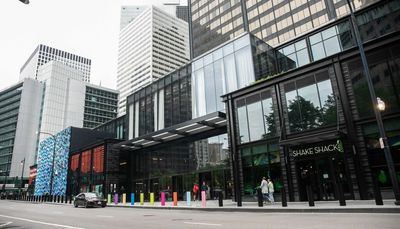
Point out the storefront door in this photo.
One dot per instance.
(319, 174)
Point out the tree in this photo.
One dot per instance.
(329, 111)
(303, 115)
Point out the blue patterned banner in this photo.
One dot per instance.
(45, 164)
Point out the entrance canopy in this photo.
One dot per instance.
(312, 138)
(214, 123)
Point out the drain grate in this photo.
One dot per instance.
(148, 215)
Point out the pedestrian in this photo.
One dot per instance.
(195, 191)
(264, 189)
(271, 191)
(204, 187)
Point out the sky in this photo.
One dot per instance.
(88, 28)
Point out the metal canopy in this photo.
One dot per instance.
(312, 138)
(186, 129)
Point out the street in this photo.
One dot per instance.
(14, 214)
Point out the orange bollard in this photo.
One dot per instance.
(175, 199)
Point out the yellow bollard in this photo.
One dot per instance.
(151, 198)
(141, 198)
(124, 198)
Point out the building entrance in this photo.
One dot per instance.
(320, 175)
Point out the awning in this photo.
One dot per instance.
(313, 138)
(189, 129)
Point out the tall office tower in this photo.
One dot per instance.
(68, 101)
(129, 13)
(19, 120)
(273, 21)
(44, 54)
(182, 12)
(153, 44)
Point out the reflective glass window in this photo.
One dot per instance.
(255, 117)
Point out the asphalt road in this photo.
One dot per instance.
(15, 214)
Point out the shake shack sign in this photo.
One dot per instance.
(335, 146)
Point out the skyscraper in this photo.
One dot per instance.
(150, 46)
(70, 102)
(273, 21)
(44, 54)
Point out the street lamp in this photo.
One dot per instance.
(378, 106)
(22, 176)
(381, 104)
(54, 154)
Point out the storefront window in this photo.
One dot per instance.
(384, 69)
(310, 102)
(256, 117)
(260, 161)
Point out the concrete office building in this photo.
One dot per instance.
(151, 45)
(20, 107)
(68, 101)
(273, 21)
(44, 54)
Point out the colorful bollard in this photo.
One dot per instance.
(141, 198)
(123, 198)
(116, 198)
(108, 198)
(203, 199)
(162, 198)
(188, 198)
(152, 198)
(132, 198)
(175, 198)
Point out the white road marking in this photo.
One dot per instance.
(205, 224)
(5, 224)
(40, 222)
(105, 216)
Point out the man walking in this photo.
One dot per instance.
(264, 189)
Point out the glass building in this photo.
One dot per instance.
(313, 123)
(273, 21)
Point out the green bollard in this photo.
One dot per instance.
(109, 199)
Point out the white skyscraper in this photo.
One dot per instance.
(151, 45)
(68, 101)
(44, 54)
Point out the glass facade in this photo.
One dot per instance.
(116, 127)
(100, 106)
(60, 167)
(178, 166)
(256, 117)
(163, 103)
(221, 71)
(310, 102)
(10, 100)
(384, 69)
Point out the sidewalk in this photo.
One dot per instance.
(352, 206)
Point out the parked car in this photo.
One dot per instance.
(89, 199)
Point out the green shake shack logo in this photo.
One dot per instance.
(319, 148)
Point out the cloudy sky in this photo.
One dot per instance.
(87, 28)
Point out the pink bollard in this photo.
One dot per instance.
(162, 198)
(203, 199)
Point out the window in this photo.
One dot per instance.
(310, 102)
(255, 117)
(331, 41)
(294, 55)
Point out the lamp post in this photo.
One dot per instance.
(54, 154)
(378, 105)
(22, 176)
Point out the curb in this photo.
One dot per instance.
(271, 210)
(344, 209)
